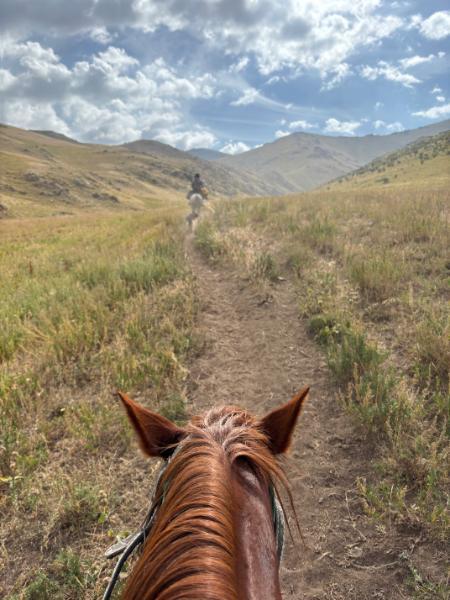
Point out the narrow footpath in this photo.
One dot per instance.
(257, 355)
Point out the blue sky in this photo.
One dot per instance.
(224, 74)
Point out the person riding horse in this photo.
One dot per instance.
(197, 185)
(196, 196)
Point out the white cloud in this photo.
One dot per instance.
(187, 139)
(7, 79)
(340, 72)
(248, 97)
(110, 97)
(435, 112)
(389, 72)
(273, 79)
(378, 105)
(413, 61)
(21, 113)
(280, 133)
(235, 148)
(389, 127)
(240, 65)
(334, 126)
(288, 34)
(437, 26)
(440, 98)
(101, 35)
(436, 90)
(301, 125)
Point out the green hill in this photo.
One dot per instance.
(423, 163)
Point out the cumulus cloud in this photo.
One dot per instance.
(437, 26)
(273, 79)
(240, 65)
(280, 34)
(389, 127)
(413, 61)
(7, 80)
(339, 73)
(235, 148)
(280, 133)
(101, 35)
(248, 97)
(186, 140)
(348, 127)
(435, 112)
(301, 124)
(389, 72)
(33, 116)
(109, 97)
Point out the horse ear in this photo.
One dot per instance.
(279, 424)
(157, 435)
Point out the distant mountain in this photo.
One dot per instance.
(425, 162)
(207, 153)
(303, 161)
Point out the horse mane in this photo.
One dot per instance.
(191, 550)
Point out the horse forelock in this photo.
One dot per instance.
(191, 550)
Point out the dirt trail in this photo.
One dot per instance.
(258, 354)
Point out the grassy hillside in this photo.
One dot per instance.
(373, 285)
(303, 161)
(45, 174)
(223, 179)
(86, 306)
(425, 163)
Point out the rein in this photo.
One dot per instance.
(126, 547)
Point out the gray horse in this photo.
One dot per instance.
(196, 202)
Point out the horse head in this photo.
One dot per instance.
(216, 517)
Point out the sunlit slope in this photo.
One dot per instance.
(425, 163)
(225, 180)
(44, 174)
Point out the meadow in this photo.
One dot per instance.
(372, 278)
(88, 304)
(97, 301)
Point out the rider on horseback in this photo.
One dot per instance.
(196, 196)
(198, 187)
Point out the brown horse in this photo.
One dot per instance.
(213, 535)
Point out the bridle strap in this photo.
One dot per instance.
(136, 541)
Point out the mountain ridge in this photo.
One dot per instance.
(302, 161)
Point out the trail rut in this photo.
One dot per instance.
(257, 354)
